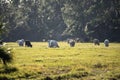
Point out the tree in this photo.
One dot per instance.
(56, 19)
(5, 55)
(35, 20)
(88, 19)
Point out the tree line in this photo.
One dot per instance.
(59, 19)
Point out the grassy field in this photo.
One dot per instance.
(82, 62)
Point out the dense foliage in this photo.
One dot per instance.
(60, 19)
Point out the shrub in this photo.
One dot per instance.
(5, 56)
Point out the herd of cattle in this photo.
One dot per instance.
(54, 43)
(96, 42)
(21, 42)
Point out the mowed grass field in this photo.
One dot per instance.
(85, 61)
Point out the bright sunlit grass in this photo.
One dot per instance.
(85, 61)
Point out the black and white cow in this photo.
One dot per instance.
(96, 42)
(106, 43)
(52, 44)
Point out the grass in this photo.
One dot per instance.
(82, 62)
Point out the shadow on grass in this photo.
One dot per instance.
(8, 70)
(5, 71)
(4, 78)
(99, 65)
(76, 75)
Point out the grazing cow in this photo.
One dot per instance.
(53, 44)
(71, 42)
(28, 43)
(96, 42)
(106, 42)
(20, 42)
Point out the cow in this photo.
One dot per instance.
(71, 42)
(106, 43)
(96, 42)
(53, 44)
(20, 42)
(28, 43)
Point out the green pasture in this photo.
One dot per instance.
(85, 61)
